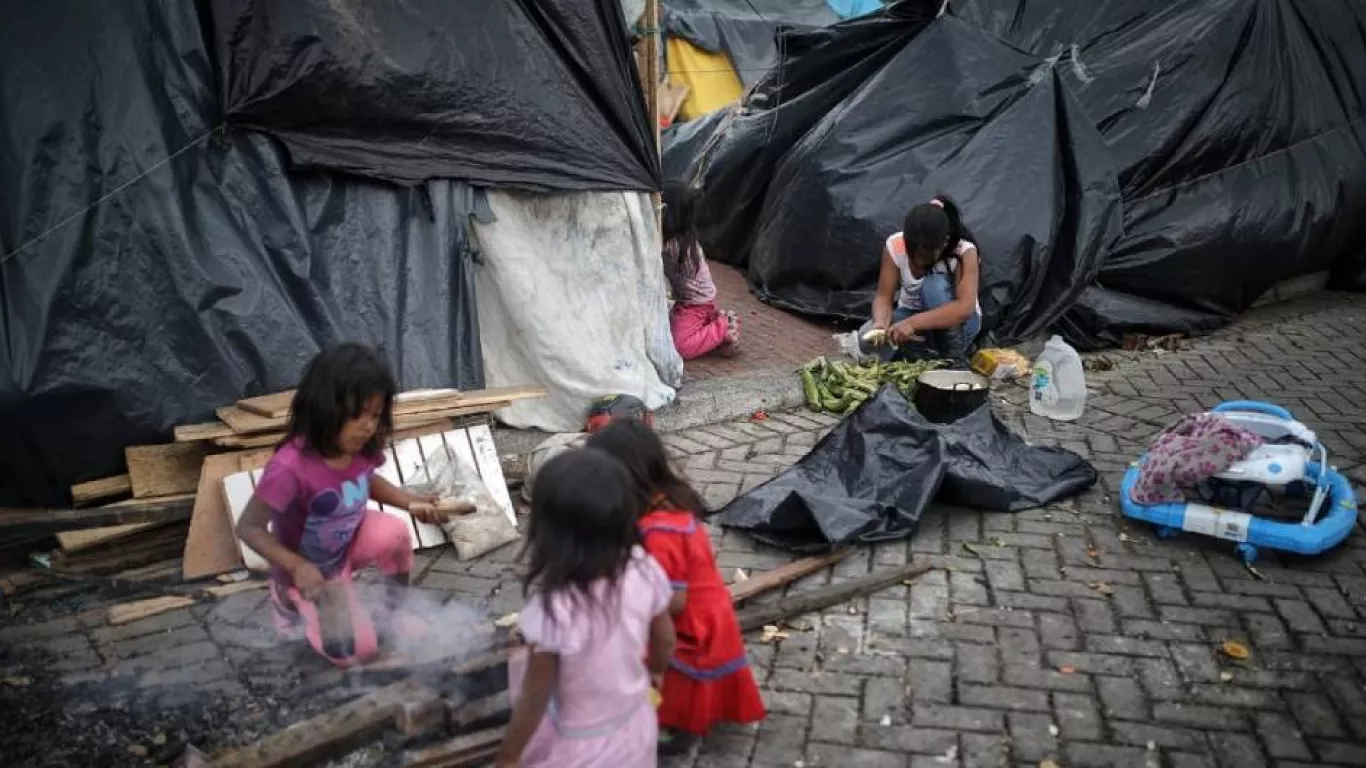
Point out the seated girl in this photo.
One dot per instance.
(926, 302)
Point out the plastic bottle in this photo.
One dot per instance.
(1058, 388)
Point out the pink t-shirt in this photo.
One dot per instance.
(315, 509)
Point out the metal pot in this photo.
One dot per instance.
(947, 396)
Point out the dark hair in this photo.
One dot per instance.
(682, 252)
(936, 226)
(336, 385)
(641, 451)
(584, 510)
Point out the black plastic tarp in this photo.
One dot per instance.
(1127, 165)
(155, 265)
(745, 30)
(533, 94)
(873, 476)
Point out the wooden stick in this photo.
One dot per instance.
(783, 575)
(168, 511)
(460, 752)
(759, 616)
(126, 613)
(330, 734)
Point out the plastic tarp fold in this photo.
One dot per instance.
(1127, 165)
(571, 296)
(154, 266)
(530, 94)
(872, 478)
(711, 83)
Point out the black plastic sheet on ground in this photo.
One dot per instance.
(873, 476)
(533, 94)
(155, 267)
(1127, 165)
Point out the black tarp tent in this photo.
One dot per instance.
(1126, 165)
(184, 219)
(745, 30)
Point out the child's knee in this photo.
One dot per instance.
(936, 290)
(394, 535)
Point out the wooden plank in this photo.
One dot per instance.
(500, 394)
(161, 510)
(270, 406)
(491, 469)
(412, 469)
(432, 417)
(72, 542)
(469, 713)
(784, 574)
(238, 489)
(161, 470)
(328, 735)
(188, 433)
(125, 613)
(390, 472)
(155, 545)
(260, 440)
(461, 752)
(94, 490)
(244, 422)
(211, 546)
(759, 616)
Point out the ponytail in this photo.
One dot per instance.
(958, 232)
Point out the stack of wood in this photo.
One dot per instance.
(165, 484)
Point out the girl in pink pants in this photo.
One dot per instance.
(310, 517)
(698, 327)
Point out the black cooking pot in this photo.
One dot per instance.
(947, 396)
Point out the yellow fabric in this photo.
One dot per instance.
(711, 80)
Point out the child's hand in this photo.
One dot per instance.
(307, 579)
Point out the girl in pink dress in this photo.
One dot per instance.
(597, 630)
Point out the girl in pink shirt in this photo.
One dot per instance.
(310, 517)
(699, 328)
(597, 630)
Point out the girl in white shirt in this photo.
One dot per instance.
(926, 297)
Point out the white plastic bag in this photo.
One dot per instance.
(483, 530)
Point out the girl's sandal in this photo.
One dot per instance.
(675, 743)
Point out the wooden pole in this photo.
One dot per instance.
(651, 74)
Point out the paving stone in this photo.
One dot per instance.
(1002, 697)
(1031, 738)
(1281, 736)
(835, 719)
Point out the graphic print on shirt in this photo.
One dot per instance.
(332, 522)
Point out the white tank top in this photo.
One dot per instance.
(909, 295)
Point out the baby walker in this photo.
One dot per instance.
(1286, 463)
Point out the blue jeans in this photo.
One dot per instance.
(946, 343)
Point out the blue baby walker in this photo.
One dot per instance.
(1291, 462)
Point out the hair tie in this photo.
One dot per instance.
(936, 202)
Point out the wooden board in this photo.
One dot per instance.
(390, 472)
(94, 490)
(270, 406)
(211, 546)
(158, 510)
(260, 440)
(491, 469)
(238, 489)
(412, 470)
(187, 433)
(416, 420)
(161, 470)
(245, 422)
(759, 616)
(125, 613)
(461, 752)
(75, 541)
(330, 734)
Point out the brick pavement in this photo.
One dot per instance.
(771, 339)
(1063, 634)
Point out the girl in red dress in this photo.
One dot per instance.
(708, 680)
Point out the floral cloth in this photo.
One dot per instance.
(1195, 449)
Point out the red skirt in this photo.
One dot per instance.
(694, 706)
